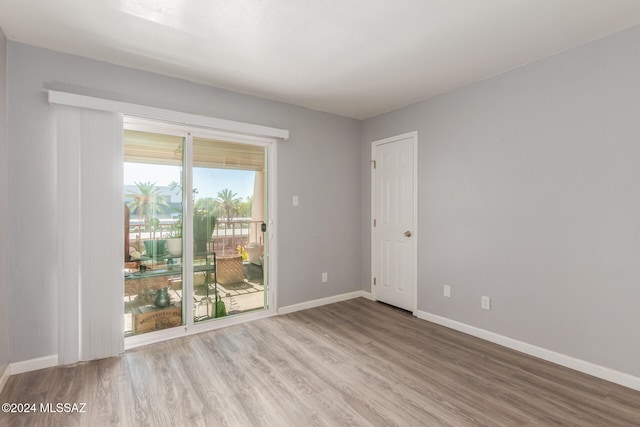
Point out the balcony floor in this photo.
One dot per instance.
(238, 298)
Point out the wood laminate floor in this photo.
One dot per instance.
(356, 363)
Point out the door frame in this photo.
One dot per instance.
(413, 135)
(271, 256)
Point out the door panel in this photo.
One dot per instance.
(394, 214)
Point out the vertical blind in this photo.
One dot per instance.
(90, 280)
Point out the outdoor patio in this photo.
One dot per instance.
(230, 266)
(237, 297)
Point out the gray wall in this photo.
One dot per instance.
(529, 192)
(317, 164)
(4, 178)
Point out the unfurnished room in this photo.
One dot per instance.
(320, 212)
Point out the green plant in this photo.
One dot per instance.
(221, 308)
(176, 230)
(204, 223)
(154, 223)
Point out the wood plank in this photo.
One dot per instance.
(354, 363)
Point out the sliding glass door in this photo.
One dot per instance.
(229, 194)
(153, 212)
(197, 202)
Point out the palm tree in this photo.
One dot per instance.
(244, 208)
(207, 204)
(227, 204)
(147, 201)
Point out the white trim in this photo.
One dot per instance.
(33, 364)
(76, 100)
(583, 366)
(4, 377)
(271, 180)
(414, 282)
(320, 302)
(187, 234)
(181, 129)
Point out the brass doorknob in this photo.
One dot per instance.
(407, 233)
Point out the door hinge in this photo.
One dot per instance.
(374, 222)
(374, 163)
(374, 281)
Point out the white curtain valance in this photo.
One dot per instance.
(143, 111)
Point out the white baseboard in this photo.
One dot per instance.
(589, 368)
(4, 377)
(33, 364)
(367, 295)
(319, 302)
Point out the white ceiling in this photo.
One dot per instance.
(356, 58)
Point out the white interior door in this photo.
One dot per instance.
(394, 220)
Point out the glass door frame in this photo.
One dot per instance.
(188, 133)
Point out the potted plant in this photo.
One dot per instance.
(174, 238)
(204, 223)
(154, 248)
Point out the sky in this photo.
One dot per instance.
(208, 181)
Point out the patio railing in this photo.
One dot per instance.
(227, 235)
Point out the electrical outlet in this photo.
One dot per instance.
(325, 277)
(296, 201)
(486, 303)
(447, 291)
